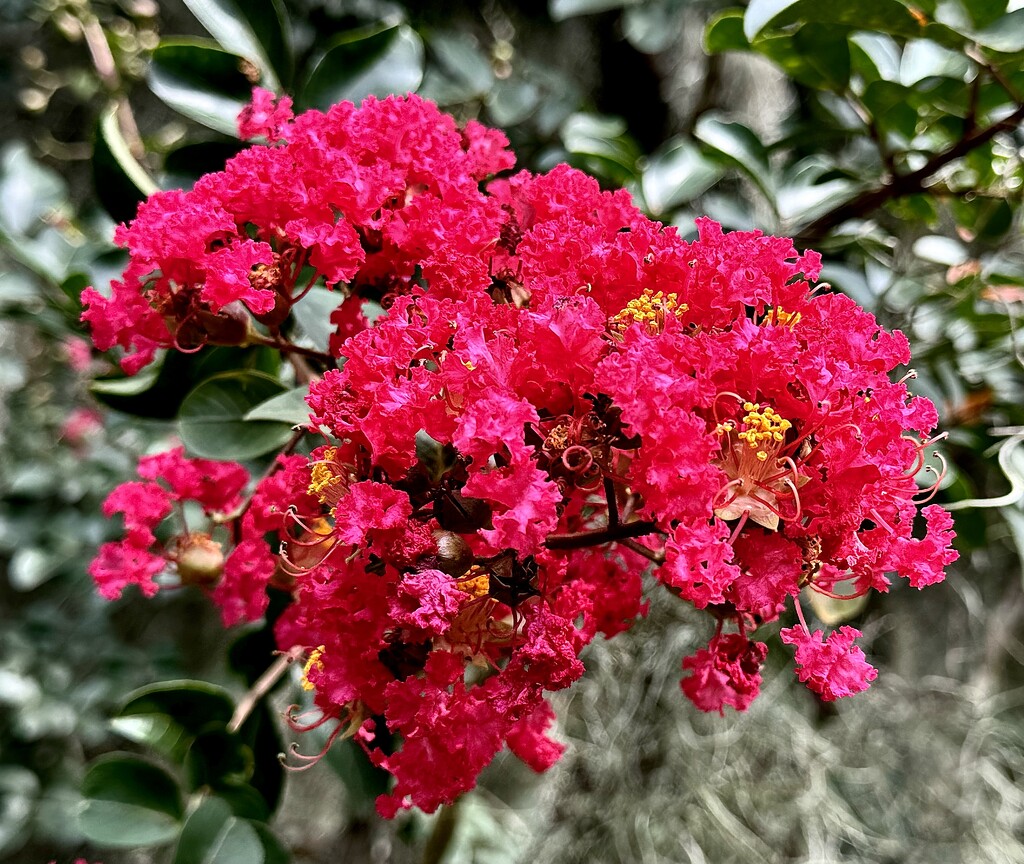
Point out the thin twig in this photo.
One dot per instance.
(263, 685)
(289, 348)
(904, 184)
(640, 549)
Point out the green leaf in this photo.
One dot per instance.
(168, 715)
(761, 13)
(254, 29)
(313, 314)
(361, 63)
(1005, 35)
(605, 144)
(940, 250)
(212, 421)
(200, 80)
(653, 27)
(825, 50)
(559, 10)
(129, 802)
(217, 758)
(289, 407)
(740, 147)
(882, 16)
(725, 33)
(874, 56)
(213, 835)
(461, 71)
(923, 59)
(676, 174)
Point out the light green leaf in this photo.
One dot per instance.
(129, 802)
(941, 250)
(313, 312)
(361, 63)
(1005, 35)
(740, 147)
(212, 424)
(288, 408)
(213, 835)
(675, 175)
(559, 10)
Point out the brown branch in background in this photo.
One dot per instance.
(905, 184)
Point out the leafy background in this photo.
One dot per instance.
(886, 134)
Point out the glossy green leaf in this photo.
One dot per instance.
(882, 16)
(120, 180)
(313, 314)
(653, 27)
(213, 835)
(212, 421)
(923, 59)
(289, 407)
(874, 56)
(605, 144)
(460, 72)
(725, 33)
(940, 250)
(254, 29)
(168, 715)
(216, 758)
(1005, 35)
(200, 80)
(675, 175)
(376, 62)
(129, 802)
(740, 147)
(559, 10)
(191, 704)
(826, 52)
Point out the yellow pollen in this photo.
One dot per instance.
(780, 316)
(314, 662)
(650, 310)
(476, 583)
(762, 428)
(326, 484)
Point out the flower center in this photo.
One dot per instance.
(763, 484)
(651, 310)
(327, 480)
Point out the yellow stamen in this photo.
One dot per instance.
(650, 309)
(326, 482)
(780, 316)
(476, 583)
(314, 662)
(763, 430)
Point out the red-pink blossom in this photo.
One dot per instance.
(832, 668)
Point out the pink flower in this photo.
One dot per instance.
(727, 672)
(833, 668)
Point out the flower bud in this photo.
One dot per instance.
(200, 560)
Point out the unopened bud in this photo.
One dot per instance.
(200, 560)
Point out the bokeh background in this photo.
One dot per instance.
(886, 134)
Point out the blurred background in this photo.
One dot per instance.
(886, 134)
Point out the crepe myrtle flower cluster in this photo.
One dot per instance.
(559, 395)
